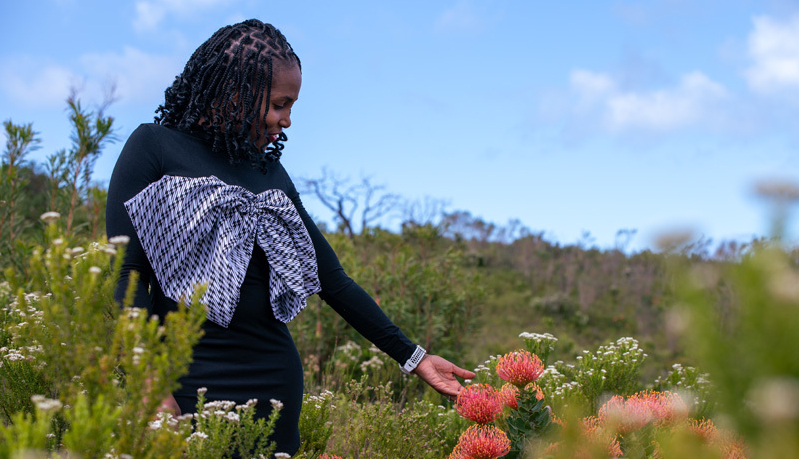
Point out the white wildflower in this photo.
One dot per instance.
(95, 270)
(51, 216)
(45, 404)
(276, 404)
(198, 435)
(119, 240)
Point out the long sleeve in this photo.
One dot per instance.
(348, 299)
(138, 165)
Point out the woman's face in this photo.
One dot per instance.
(286, 82)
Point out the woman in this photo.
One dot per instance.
(204, 199)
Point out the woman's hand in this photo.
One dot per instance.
(440, 374)
(170, 406)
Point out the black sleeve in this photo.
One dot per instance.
(347, 298)
(139, 164)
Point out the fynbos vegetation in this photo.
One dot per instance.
(691, 352)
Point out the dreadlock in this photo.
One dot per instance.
(219, 94)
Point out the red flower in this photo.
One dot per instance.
(641, 409)
(481, 442)
(457, 453)
(328, 456)
(519, 367)
(595, 435)
(508, 394)
(479, 403)
(533, 387)
(704, 429)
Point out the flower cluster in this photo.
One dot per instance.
(481, 442)
(509, 395)
(519, 367)
(633, 413)
(692, 383)
(480, 403)
(725, 442)
(540, 344)
(319, 400)
(483, 403)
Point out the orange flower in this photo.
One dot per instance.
(328, 456)
(733, 450)
(592, 429)
(533, 387)
(704, 429)
(481, 442)
(479, 403)
(508, 394)
(641, 409)
(519, 367)
(457, 453)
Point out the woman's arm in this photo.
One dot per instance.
(358, 308)
(138, 166)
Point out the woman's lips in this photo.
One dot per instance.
(273, 137)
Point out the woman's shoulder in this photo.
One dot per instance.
(161, 140)
(147, 134)
(152, 131)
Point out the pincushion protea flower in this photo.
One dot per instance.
(328, 456)
(641, 409)
(704, 429)
(509, 393)
(479, 403)
(592, 429)
(728, 445)
(519, 367)
(481, 442)
(593, 441)
(533, 387)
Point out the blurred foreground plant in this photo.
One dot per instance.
(751, 350)
(81, 376)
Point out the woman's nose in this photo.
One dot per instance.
(285, 122)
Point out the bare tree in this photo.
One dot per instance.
(350, 201)
(422, 211)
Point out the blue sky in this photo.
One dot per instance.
(577, 116)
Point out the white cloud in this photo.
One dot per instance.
(150, 13)
(590, 86)
(694, 101)
(773, 46)
(461, 17)
(37, 84)
(148, 16)
(137, 75)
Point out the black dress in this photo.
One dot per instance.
(255, 357)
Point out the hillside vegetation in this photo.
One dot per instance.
(714, 323)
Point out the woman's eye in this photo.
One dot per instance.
(278, 107)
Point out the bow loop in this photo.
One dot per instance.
(202, 230)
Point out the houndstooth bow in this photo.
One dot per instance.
(202, 230)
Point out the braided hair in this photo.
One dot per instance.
(221, 90)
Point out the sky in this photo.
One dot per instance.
(577, 118)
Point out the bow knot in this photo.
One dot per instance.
(202, 230)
